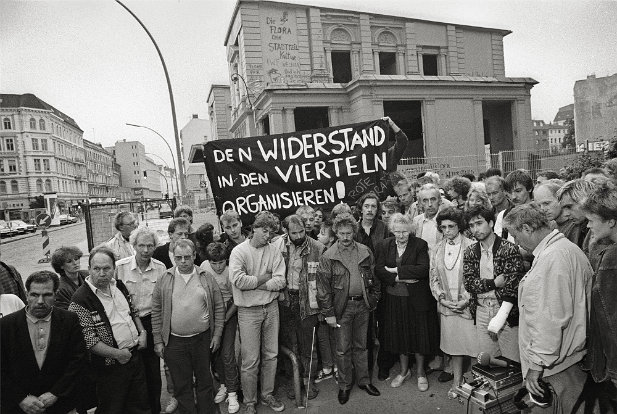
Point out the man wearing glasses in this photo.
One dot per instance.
(125, 223)
(188, 314)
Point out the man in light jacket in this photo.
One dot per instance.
(553, 300)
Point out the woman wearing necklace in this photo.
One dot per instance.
(65, 262)
(458, 332)
(411, 324)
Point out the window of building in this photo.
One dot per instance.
(265, 125)
(35, 144)
(2, 187)
(387, 63)
(37, 164)
(9, 144)
(6, 122)
(48, 188)
(32, 123)
(341, 66)
(39, 186)
(46, 165)
(42, 124)
(429, 65)
(12, 166)
(1, 166)
(14, 187)
(311, 118)
(408, 116)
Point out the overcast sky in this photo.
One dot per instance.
(92, 60)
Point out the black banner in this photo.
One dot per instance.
(279, 173)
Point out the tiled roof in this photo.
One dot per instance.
(28, 100)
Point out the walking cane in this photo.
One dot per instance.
(308, 385)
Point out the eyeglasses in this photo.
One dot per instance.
(183, 258)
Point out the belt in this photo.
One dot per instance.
(355, 298)
(293, 292)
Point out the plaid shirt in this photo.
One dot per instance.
(11, 282)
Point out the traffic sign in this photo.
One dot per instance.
(43, 220)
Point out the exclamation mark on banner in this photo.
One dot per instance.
(340, 189)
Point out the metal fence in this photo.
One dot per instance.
(533, 161)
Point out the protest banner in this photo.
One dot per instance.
(279, 173)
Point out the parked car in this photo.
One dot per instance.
(66, 219)
(165, 211)
(6, 231)
(30, 228)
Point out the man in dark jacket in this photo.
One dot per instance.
(43, 352)
(347, 291)
(179, 228)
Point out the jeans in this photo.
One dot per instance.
(188, 357)
(326, 338)
(297, 335)
(225, 357)
(121, 388)
(507, 339)
(351, 344)
(259, 332)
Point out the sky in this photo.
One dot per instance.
(91, 60)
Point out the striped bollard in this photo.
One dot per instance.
(44, 220)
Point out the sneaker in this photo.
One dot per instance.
(250, 409)
(221, 394)
(422, 384)
(171, 405)
(400, 379)
(271, 401)
(324, 375)
(233, 406)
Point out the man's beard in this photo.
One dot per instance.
(299, 242)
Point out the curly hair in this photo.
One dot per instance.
(481, 194)
(460, 185)
(344, 219)
(452, 214)
(64, 254)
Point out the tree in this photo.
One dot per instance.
(569, 139)
(582, 162)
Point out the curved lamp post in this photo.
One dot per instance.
(168, 146)
(180, 169)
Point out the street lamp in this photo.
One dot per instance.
(234, 78)
(180, 189)
(166, 164)
(180, 169)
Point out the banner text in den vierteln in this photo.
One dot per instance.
(279, 173)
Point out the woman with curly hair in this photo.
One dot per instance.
(457, 188)
(66, 262)
(458, 332)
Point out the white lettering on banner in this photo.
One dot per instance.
(308, 172)
(253, 203)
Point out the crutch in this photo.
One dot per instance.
(308, 385)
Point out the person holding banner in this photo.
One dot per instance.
(257, 273)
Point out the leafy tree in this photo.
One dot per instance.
(582, 162)
(569, 139)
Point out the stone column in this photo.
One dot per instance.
(329, 63)
(478, 119)
(400, 60)
(289, 122)
(430, 128)
(276, 121)
(376, 61)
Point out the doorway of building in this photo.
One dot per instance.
(497, 122)
(311, 118)
(408, 116)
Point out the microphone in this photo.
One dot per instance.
(485, 359)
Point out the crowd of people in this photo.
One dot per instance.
(419, 280)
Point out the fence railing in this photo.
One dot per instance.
(448, 166)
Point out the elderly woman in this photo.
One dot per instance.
(65, 262)
(601, 210)
(411, 324)
(458, 332)
(477, 197)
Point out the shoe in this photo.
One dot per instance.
(221, 395)
(400, 379)
(250, 409)
(271, 401)
(370, 389)
(233, 406)
(383, 375)
(343, 396)
(323, 375)
(452, 394)
(313, 392)
(445, 377)
(171, 405)
(422, 384)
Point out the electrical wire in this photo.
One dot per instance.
(497, 397)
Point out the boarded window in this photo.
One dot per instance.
(429, 65)
(311, 118)
(341, 66)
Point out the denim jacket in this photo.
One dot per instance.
(602, 335)
(333, 281)
(310, 252)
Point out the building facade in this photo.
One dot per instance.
(41, 151)
(296, 67)
(137, 171)
(193, 135)
(103, 184)
(595, 111)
